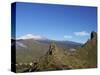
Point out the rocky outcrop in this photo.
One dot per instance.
(88, 52)
(93, 35)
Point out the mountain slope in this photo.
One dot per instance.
(88, 52)
(32, 51)
(57, 59)
(53, 60)
(28, 48)
(55, 56)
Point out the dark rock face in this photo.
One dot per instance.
(51, 49)
(93, 34)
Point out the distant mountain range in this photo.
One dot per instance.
(29, 38)
(36, 46)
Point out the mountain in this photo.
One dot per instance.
(84, 57)
(29, 39)
(56, 58)
(38, 47)
(29, 48)
(88, 52)
(52, 60)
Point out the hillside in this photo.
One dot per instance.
(53, 60)
(32, 50)
(56, 58)
(88, 52)
(28, 48)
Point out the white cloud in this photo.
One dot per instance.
(81, 33)
(31, 36)
(67, 36)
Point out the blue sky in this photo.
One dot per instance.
(57, 22)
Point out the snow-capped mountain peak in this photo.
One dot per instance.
(31, 36)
